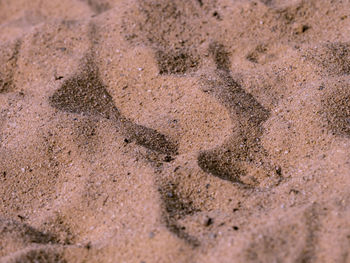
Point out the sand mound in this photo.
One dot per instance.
(174, 131)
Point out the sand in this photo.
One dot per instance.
(174, 131)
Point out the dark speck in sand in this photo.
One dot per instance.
(209, 221)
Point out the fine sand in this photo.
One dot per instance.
(175, 131)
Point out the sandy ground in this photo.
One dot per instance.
(174, 131)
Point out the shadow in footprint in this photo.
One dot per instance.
(243, 149)
(85, 93)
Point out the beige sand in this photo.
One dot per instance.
(174, 131)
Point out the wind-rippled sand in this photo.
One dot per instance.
(174, 131)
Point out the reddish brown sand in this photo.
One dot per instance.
(174, 131)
